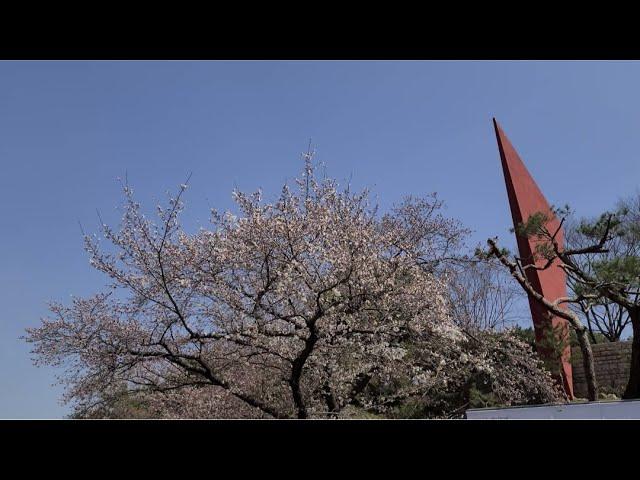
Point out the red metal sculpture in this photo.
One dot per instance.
(526, 199)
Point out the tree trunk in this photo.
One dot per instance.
(633, 386)
(298, 366)
(587, 362)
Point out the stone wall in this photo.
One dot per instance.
(611, 361)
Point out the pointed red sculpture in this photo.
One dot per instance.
(526, 199)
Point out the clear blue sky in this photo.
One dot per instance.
(69, 129)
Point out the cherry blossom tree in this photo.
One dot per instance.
(307, 306)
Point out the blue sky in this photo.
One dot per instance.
(69, 129)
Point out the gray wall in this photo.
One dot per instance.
(611, 361)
